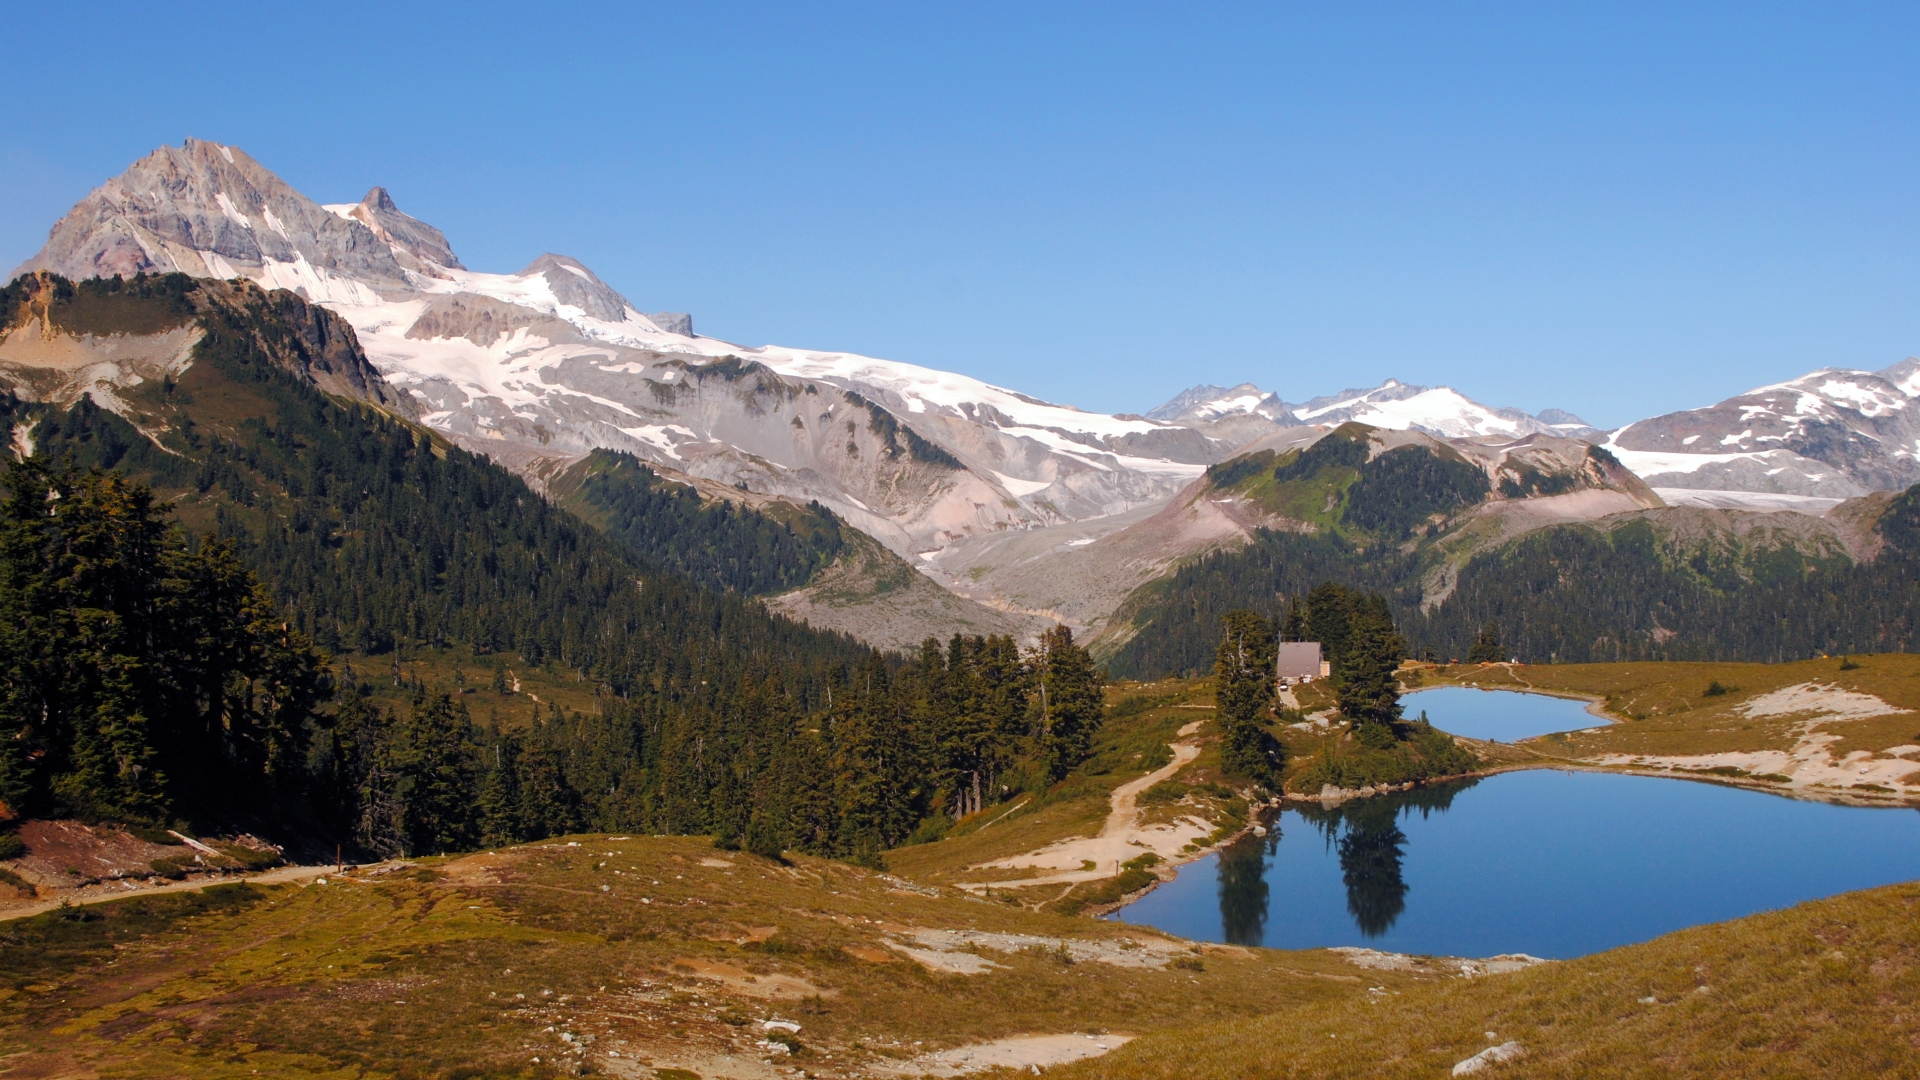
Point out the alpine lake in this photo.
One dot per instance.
(1550, 863)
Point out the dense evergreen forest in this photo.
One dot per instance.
(1569, 593)
(330, 526)
(714, 544)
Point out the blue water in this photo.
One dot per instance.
(1549, 863)
(1501, 715)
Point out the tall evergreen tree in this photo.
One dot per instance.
(1486, 645)
(138, 678)
(1366, 683)
(1069, 703)
(1243, 693)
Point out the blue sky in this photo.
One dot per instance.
(1611, 209)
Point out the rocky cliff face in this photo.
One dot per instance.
(60, 342)
(416, 245)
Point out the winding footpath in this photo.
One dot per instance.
(1121, 837)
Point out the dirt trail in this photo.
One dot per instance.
(1121, 837)
(22, 909)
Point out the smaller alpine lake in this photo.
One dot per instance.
(1546, 862)
(1498, 715)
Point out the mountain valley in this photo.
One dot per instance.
(1020, 512)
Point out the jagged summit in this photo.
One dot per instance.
(411, 238)
(211, 211)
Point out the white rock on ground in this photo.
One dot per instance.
(1492, 1055)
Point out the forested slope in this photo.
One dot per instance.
(367, 535)
(1648, 586)
(714, 543)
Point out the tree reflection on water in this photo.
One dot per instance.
(1244, 889)
(1365, 833)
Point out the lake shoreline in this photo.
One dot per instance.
(1442, 835)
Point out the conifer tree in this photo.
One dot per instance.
(1365, 682)
(1486, 645)
(437, 770)
(1068, 703)
(1243, 692)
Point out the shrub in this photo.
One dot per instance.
(173, 868)
(1163, 793)
(11, 846)
(154, 835)
(254, 859)
(8, 877)
(1714, 689)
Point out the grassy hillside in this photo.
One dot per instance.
(1822, 989)
(664, 952)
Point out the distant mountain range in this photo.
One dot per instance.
(1830, 435)
(542, 367)
(1393, 404)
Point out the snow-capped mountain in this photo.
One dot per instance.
(1395, 405)
(541, 366)
(1831, 434)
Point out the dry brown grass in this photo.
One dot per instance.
(1132, 743)
(482, 963)
(1828, 988)
(1664, 708)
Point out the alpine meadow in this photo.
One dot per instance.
(411, 670)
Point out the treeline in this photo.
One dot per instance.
(148, 682)
(711, 543)
(133, 669)
(1569, 594)
(896, 750)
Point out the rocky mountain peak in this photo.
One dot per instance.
(211, 211)
(576, 286)
(417, 245)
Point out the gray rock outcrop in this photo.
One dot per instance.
(418, 245)
(211, 211)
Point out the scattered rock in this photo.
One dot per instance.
(1437, 965)
(1491, 1056)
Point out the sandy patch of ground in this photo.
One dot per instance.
(1015, 1052)
(1122, 837)
(647, 1064)
(1828, 702)
(1375, 960)
(950, 946)
(945, 962)
(1809, 767)
(747, 984)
